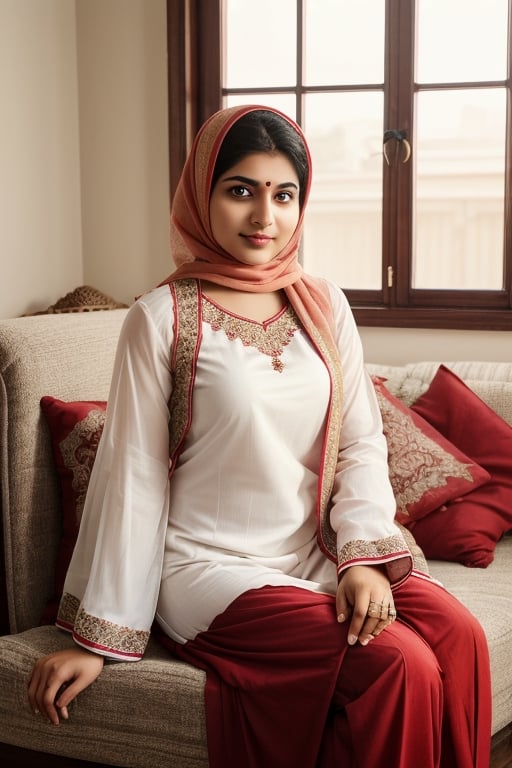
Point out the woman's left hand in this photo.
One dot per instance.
(364, 595)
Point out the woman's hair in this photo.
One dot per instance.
(263, 131)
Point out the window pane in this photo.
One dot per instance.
(459, 179)
(260, 46)
(461, 41)
(285, 102)
(344, 42)
(343, 234)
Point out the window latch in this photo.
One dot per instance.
(393, 134)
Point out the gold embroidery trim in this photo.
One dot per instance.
(327, 349)
(187, 335)
(68, 609)
(360, 549)
(269, 338)
(113, 637)
(100, 632)
(332, 446)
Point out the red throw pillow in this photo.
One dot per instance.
(466, 530)
(426, 470)
(75, 429)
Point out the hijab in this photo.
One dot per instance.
(197, 255)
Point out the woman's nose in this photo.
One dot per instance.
(262, 212)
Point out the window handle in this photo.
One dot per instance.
(396, 135)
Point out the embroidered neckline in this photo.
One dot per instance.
(269, 337)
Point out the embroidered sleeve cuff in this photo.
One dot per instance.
(100, 635)
(380, 552)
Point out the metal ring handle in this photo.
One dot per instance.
(395, 134)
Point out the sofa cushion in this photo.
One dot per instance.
(75, 429)
(426, 470)
(466, 530)
(162, 725)
(492, 382)
(487, 594)
(69, 356)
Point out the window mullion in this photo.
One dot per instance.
(389, 196)
(507, 240)
(404, 171)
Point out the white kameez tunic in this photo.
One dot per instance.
(240, 509)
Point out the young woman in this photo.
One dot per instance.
(241, 499)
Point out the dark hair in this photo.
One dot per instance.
(263, 131)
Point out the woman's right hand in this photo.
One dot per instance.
(58, 678)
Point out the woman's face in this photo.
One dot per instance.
(254, 207)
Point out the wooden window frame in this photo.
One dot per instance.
(195, 92)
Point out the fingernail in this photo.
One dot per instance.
(341, 617)
(352, 639)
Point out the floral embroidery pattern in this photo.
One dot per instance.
(418, 466)
(368, 550)
(183, 356)
(269, 338)
(68, 609)
(79, 451)
(100, 632)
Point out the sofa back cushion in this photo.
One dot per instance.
(492, 382)
(69, 356)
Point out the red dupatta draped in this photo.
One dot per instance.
(197, 255)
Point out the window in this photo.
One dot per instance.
(405, 107)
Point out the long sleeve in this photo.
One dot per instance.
(363, 504)
(113, 581)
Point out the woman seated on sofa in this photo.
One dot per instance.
(240, 498)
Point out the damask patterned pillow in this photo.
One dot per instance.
(75, 429)
(426, 470)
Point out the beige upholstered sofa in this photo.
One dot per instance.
(149, 714)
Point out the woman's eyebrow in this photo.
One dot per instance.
(254, 183)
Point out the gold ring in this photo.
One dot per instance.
(374, 609)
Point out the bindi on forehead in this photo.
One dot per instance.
(267, 183)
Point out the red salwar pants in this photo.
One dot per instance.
(284, 690)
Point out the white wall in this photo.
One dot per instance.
(40, 230)
(84, 165)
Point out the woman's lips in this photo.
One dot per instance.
(258, 240)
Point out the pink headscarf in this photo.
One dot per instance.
(196, 253)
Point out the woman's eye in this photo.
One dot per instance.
(239, 191)
(284, 197)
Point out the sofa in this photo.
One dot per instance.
(150, 714)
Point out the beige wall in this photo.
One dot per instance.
(395, 346)
(84, 165)
(83, 149)
(40, 231)
(122, 86)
